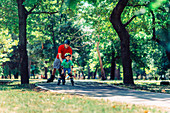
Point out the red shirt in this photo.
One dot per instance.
(63, 51)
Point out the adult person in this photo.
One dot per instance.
(62, 50)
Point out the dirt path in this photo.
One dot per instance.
(97, 90)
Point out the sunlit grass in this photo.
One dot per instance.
(28, 99)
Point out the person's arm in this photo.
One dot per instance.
(62, 67)
(71, 67)
(60, 57)
(71, 54)
(59, 53)
(71, 58)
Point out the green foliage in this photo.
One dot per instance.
(8, 18)
(82, 22)
(156, 4)
(6, 44)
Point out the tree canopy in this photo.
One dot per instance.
(47, 23)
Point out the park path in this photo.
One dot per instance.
(112, 93)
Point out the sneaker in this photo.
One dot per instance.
(50, 79)
(63, 80)
(59, 81)
(72, 82)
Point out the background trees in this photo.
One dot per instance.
(49, 23)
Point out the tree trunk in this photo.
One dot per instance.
(95, 73)
(29, 67)
(124, 36)
(101, 64)
(117, 73)
(81, 70)
(79, 75)
(112, 75)
(162, 43)
(83, 74)
(53, 38)
(45, 68)
(9, 73)
(23, 43)
(168, 54)
(88, 72)
(16, 75)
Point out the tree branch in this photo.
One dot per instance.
(117, 11)
(162, 43)
(153, 28)
(138, 5)
(130, 20)
(162, 9)
(29, 12)
(44, 12)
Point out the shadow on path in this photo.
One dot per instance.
(97, 90)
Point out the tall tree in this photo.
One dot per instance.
(124, 36)
(101, 64)
(22, 13)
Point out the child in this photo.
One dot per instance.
(66, 65)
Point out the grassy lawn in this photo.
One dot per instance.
(142, 85)
(15, 98)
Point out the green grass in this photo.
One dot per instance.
(29, 99)
(142, 85)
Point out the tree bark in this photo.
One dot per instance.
(9, 73)
(83, 74)
(95, 73)
(101, 64)
(112, 75)
(81, 70)
(45, 68)
(53, 38)
(88, 72)
(124, 36)
(22, 13)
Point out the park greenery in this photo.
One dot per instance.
(131, 36)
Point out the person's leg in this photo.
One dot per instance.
(59, 79)
(71, 77)
(56, 65)
(53, 72)
(62, 77)
(52, 76)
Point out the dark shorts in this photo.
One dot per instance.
(57, 63)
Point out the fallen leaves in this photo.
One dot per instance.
(146, 111)
(113, 106)
(62, 98)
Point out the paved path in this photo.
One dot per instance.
(112, 93)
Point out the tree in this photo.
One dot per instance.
(23, 14)
(23, 42)
(101, 64)
(48, 27)
(124, 36)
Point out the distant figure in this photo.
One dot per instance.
(62, 50)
